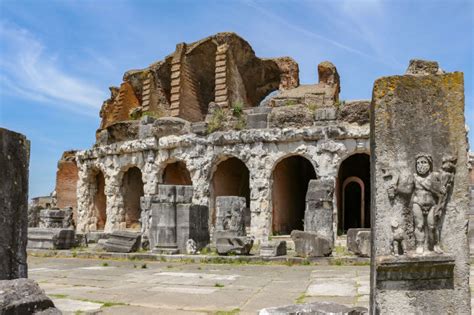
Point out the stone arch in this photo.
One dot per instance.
(175, 173)
(98, 199)
(289, 180)
(353, 193)
(230, 176)
(132, 190)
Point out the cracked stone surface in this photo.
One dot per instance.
(125, 287)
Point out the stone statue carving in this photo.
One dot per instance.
(398, 239)
(428, 193)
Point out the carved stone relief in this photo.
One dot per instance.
(425, 193)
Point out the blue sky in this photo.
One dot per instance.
(58, 58)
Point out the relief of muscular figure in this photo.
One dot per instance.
(429, 193)
(426, 194)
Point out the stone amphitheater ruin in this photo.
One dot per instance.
(215, 117)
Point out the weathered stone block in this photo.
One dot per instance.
(94, 237)
(122, 242)
(273, 249)
(230, 216)
(325, 114)
(166, 193)
(319, 207)
(52, 238)
(184, 193)
(14, 161)
(56, 218)
(234, 245)
(359, 242)
(355, 112)
(291, 116)
(257, 121)
(163, 225)
(192, 223)
(419, 192)
(199, 128)
(24, 296)
(316, 308)
(310, 244)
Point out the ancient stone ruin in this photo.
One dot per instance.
(215, 147)
(216, 118)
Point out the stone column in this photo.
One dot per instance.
(318, 215)
(14, 163)
(420, 256)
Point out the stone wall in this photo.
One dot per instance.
(66, 182)
(324, 146)
(14, 163)
(221, 68)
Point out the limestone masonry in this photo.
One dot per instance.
(214, 120)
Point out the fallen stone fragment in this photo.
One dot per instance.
(52, 238)
(123, 242)
(310, 244)
(358, 242)
(24, 296)
(234, 245)
(273, 249)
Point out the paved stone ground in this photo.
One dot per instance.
(139, 287)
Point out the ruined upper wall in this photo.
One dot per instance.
(222, 68)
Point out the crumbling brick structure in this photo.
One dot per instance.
(215, 116)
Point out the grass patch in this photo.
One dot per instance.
(105, 264)
(218, 285)
(104, 303)
(290, 102)
(144, 266)
(216, 121)
(336, 262)
(58, 296)
(235, 311)
(341, 250)
(300, 299)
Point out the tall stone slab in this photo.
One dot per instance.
(318, 216)
(420, 256)
(14, 163)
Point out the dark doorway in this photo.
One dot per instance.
(100, 201)
(231, 178)
(132, 188)
(291, 177)
(176, 174)
(353, 193)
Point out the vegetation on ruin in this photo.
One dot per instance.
(216, 121)
(290, 102)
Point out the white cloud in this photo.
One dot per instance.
(29, 71)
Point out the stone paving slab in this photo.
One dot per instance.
(137, 287)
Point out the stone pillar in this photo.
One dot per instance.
(14, 163)
(420, 256)
(230, 216)
(318, 216)
(163, 221)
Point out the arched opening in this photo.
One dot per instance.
(132, 188)
(100, 201)
(353, 193)
(231, 178)
(176, 174)
(291, 177)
